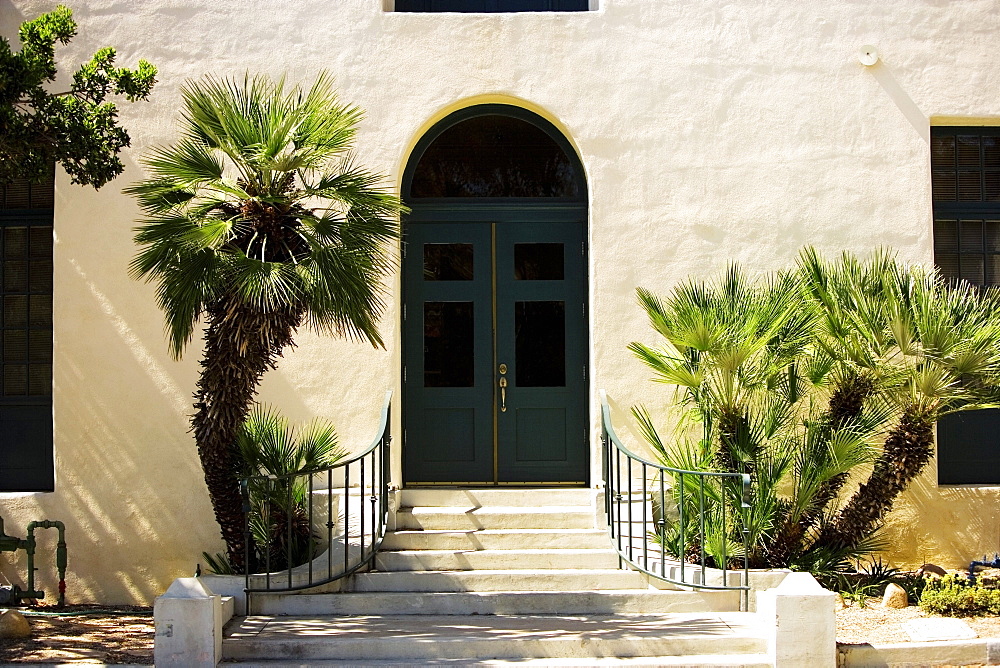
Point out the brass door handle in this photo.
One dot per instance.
(503, 394)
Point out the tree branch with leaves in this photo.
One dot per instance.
(78, 127)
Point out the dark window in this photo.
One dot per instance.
(540, 344)
(495, 156)
(26, 337)
(538, 262)
(492, 6)
(969, 448)
(965, 180)
(965, 175)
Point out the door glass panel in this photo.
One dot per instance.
(540, 344)
(538, 262)
(449, 344)
(447, 262)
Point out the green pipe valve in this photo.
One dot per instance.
(60, 555)
(12, 544)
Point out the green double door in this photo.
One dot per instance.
(495, 348)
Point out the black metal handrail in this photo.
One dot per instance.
(643, 542)
(318, 533)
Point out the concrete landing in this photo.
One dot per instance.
(703, 661)
(479, 638)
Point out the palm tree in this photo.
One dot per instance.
(808, 378)
(933, 348)
(742, 356)
(257, 220)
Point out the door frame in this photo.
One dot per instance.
(496, 209)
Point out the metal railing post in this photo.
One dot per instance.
(690, 494)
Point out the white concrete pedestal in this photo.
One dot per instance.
(801, 623)
(188, 619)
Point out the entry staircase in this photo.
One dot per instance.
(525, 576)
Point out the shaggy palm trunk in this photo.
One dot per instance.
(732, 454)
(846, 404)
(908, 449)
(240, 345)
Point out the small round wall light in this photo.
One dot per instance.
(868, 55)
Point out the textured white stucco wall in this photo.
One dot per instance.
(710, 132)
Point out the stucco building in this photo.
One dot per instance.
(678, 137)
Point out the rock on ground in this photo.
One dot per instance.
(895, 597)
(14, 625)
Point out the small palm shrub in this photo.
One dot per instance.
(757, 396)
(270, 452)
(957, 597)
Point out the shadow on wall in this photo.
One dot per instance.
(129, 485)
(905, 104)
(950, 526)
(10, 19)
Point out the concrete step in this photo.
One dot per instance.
(510, 497)
(496, 539)
(699, 661)
(467, 560)
(496, 580)
(495, 517)
(601, 602)
(501, 637)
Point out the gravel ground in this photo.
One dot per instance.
(92, 638)
(877, 625)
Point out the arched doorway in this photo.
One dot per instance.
(495, 314)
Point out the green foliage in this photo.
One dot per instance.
(740, 354)
(879, 574)
(913, 585)
(956, 597)
(218, 564)
(77, 128)
(803, 380)
(274, 456)
(857, 583)
(838, 566)
(857, 592)
(930, 344)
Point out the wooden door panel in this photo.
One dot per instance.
(542, 338)
(448, 417)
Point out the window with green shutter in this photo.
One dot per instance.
(965, 173)
(26, 337)
(965, 179)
